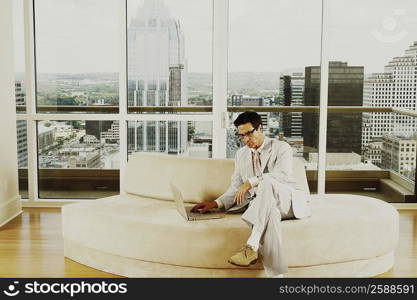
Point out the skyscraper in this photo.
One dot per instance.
(291, 91)
(95, 128)
(395, 87)
(157, 76)
(19, 94)
(345, 89)
(21, 127)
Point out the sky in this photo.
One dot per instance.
(83, 36)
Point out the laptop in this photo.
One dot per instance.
(186, 211)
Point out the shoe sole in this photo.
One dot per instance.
(251, 263)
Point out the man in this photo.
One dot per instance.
(263, 176)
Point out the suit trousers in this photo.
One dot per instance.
(272, 204)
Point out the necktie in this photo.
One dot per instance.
(257, 163)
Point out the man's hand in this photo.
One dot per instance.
(203, 207)
(240, 195)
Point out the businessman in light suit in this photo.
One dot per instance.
(263, 179)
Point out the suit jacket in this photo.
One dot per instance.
(276, 164)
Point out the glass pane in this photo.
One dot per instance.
(78, 159)
(22, 157)
(272, 44)
(77, 55)
(268, 39)
(169, 55)
(373, 65)
(189, 138)
(19, 55)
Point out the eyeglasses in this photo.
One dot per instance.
(247, 134)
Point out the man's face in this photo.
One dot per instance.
(250, 137)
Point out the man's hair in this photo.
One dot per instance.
(248, 117)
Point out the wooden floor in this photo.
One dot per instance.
(31, 246)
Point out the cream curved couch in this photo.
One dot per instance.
(140, 234)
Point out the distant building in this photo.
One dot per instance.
(264, 120)
(399, 155)
(19, 93)
(291, 91)
(243, 100)
(372, 153)
(90, 139)
(95, 128)
(90, 160)
(81, 156)
(395, 87)
(111, 136)
(22, 148)
(46, 136)
(21, 129)
(344, 130)
(157, 76)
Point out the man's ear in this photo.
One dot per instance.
(261, 129)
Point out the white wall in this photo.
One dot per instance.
(9, 192)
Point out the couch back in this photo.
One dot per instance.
(199, 179)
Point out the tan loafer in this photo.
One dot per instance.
(245, 257)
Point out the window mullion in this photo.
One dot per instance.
(220, 48)
(30, 91)
(324, 81)
(123, 92)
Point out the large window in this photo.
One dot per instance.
(373, 65)
(77, 55)
(272, 47)
(97, 80)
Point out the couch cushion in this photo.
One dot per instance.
(343, 228)
(199, 179)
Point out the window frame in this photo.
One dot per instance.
(218, 117)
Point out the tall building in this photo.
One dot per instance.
(399, 154)
(395, 87)
(157, 77)
(46, 136)
(19, 94)
(111, 136)
(22, 147)
(291, 91)
(345, 88)
(95, 128)
(21, 128)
